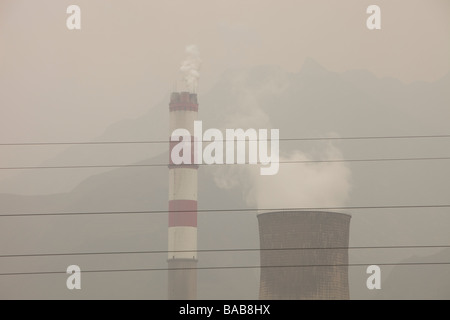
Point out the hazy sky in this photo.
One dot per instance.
(58, 84)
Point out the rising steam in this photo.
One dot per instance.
(303, 184)
(323, 184)
(296, 185)
(190, 68)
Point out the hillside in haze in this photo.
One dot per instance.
(403, 281)
(311, 103)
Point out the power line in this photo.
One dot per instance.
(224, 164)
(229, 267)
(280, 139)
(246, 210)
(216, 250)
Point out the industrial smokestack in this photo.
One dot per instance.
(291, 241)
(182, 237)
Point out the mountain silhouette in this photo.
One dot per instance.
(313, 102)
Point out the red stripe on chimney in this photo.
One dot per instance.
(182, 213)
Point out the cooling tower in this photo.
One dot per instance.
(182, 233)
(293, 265)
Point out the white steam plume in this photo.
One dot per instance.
(190, 68)
(296, 185)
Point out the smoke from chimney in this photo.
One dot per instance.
(190, 68)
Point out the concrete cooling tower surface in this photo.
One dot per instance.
(303, 269)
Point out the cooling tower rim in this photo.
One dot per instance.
(184, 92)
(303, 211)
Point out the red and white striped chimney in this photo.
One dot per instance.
(182, 239)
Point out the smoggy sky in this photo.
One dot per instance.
(58, 84)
